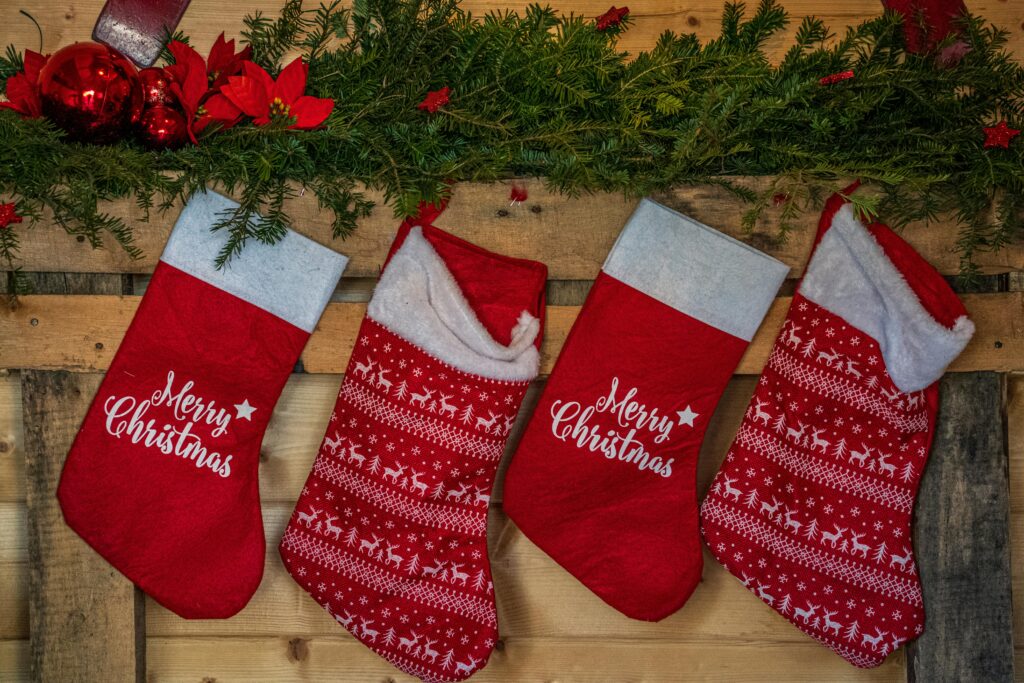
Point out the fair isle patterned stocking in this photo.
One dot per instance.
(812, 507)
(389, 535)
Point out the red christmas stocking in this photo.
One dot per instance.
(389, 535)
(162, 478)
(812, 507)
(604, 480)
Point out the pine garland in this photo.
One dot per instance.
(548, 95)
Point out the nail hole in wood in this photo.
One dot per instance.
(502, 213)
(33, 322)
(536, 208)
(99, 346)
(80, 238)
(999, 344)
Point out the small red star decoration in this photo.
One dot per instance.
(612, 17)
(435, 100)
(1000, 135)
(835, 78)
(8, 216)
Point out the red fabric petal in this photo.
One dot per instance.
(255, 71)
(183, 54)
(218, 109)
(34, 63)
(188, 107)
(224, 63)
(248, 94)
(221, 108)
(23, 96)
(310, 112)
(221, 53)
(176, 72)
(291, 82)
(195, 86)
(189, 71)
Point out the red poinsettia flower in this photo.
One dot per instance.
(613, 17)
(8, 215)
(23, 88)
(258, 95)
(223, 62)
(190, 85)
(434, 100)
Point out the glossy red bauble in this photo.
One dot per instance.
(91, 92)
(156, 87)
(163, 127)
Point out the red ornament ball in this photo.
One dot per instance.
(163, 127)
(91, 92)
(156, 87)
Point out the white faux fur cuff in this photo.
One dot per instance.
(418, 299)
(292, 279)
(851, 276)
(695, 269)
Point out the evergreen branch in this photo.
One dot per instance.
(538, 94)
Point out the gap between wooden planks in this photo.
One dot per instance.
(82, 333)
(571, 235)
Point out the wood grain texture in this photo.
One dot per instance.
(1015, 444)
(82, 611)
(287, 659)
(961, 537)
(82, 333)
(547, 226)
(13, 572)
(14, 661)
(12, 457)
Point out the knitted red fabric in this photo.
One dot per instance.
(812, 507)
(389, 535)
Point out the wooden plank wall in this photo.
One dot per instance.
(64, 615)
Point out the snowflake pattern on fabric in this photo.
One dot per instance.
(389, 535)
(812, 509)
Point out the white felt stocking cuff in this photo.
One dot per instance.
(292, 279)
(695, 269)
(418, 299)
(852, 276)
